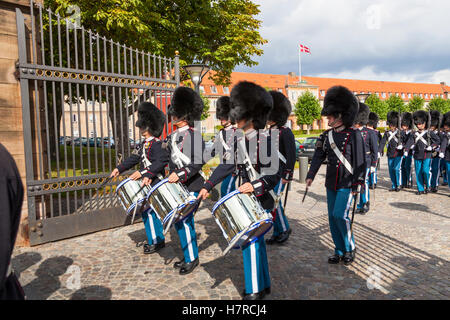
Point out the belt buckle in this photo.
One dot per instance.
(333, 145)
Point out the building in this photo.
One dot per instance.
(289, 85)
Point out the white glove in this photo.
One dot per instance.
(405, 154)
(441, 155)
(400, 147)
(373, 169)
(379, 155)
(430, 148)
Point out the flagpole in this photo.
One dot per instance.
(300, 64)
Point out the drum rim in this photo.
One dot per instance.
(173, 210)
(122, 183)
(254, 225)
(134, 204)
(221, 201)
(156, 186)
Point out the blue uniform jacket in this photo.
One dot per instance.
(392, 144)
(419, 146)
(286, 144)
(156, 155)
(351, 144)
(370, 138)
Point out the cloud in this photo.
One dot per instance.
(403, 39)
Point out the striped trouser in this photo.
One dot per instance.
(256, 266)
(365, 195)
(188, 238)
(435, 172)
(153, 227)
(423, 173)
(281, 223)
(228, 185)
(339, 204)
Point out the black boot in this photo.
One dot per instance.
(349, 257)
(255, 296)
(272, 240)
(284, 236)
(152, 248)
(419, 193)
(434, 189)
(189, 267)
(334, 259)
(366, 207)
(178, 264)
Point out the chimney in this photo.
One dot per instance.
(443, 84)
(291, 74)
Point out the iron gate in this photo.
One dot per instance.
(79, 94)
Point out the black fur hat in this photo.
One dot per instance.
(251, 102)
(150, 118)
(186, 104)
(223, 108)
(362, 118)
(373, 120)
(446, 120)
(339, 101)
(436, 118)
(407, 120)
(421, 117)
(392, 118)
(281, 108)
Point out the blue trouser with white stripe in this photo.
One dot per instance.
(365, 195)
(256, 266)
(281, 223)
(447, 167)
(394, 171)
(435, 167)
(444, 171)
(373, 178)
(339, 204)
(188, 237)
(406, 170)
(228, 185)
(153, 227)
(422, 173)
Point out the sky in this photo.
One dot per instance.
(401, 40)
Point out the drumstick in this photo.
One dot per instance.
(306, 192)
(232, 243)
(169, 224)
(105, 182)
(134, 212)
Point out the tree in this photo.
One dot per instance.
(396, 103)
(307, 109)
(205, 114)
(377, 106)
(415, 104)
(439, 104)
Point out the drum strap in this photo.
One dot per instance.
(392, 135)
(419, 136)
(179, 157)
(338, 153)
(9, 270)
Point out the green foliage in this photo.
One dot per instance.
(376, 105)
(307, 109)
(222, 34)
(439, 104)
(205, 114)
(396, 103)
(416, 103)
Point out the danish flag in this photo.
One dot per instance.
(304, 49)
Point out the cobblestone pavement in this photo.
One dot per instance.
(403, 253)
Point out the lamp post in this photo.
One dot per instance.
(196, 72)
(363, 97)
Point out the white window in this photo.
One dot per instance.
(426, 95)
(202, 89)
(280, 90)
(421, 95)
(403, 95)
(76, 133)
(213, 89)
(409, 95)
(91, 118)
(322, 93)
(383, 94)
(74, 118)
(91, 134)
(226, 90)
(431, 96)
(362, 92)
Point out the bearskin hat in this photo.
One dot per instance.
(251, 102)
(362, 117)
(446, 120)
(407, 120)
(421, 117)
(186, 104)
(339, 101)
(223, 108)
(373, 120)
(436, 118)
(392, 118)
(150, 118)
(281, 108)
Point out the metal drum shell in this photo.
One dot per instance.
(127, 190)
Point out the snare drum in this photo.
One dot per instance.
(129, 194)
(241, 218)
(166, 199)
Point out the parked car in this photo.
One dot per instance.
(308, 147)
(109, 142)
(95, 142)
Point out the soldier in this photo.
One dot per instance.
(152, 159)
(446, 144)
(373, 125)
(422, 142)
(406, 172)
(436, 120)
(286, 142)
(186, 147)
(444, 173)
(346, 168)
(371, 152)
(224, 142)
(250, 108)
(11, 197)
(393, 138)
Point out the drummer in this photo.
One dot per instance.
(286, 142)
(224, 142)
(186, 148)
(152, 159)
(250, 107)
